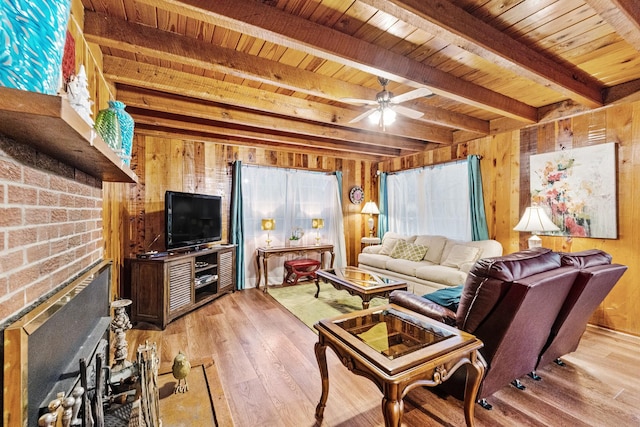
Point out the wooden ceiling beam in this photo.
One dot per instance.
(195, 123)
(268, 23)
(412, 136)
(454, 25)
(623, 16)
(115, 33)
(623, 93)
(168, 133)
(118, 34)
(167, 103)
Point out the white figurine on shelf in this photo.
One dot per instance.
(78, 94)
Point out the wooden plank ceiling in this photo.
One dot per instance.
(276, 73)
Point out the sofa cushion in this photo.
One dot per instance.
(373, 260)
(459, 255)
(435, 245)
(389, 242)
(403, 266)
(446, 297)
(440, 274)
(408, 251)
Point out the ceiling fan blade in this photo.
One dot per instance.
(359, 101)
(362, 116)
(423, 91)
(408, 112)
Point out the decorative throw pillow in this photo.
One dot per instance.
(408, 251)
(389, 242)
(461, 254)
(446, 297)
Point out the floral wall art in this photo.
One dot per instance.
(577, 187)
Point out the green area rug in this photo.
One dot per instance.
(299, 300)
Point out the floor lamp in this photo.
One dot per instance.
(535, 220)
(371, 209)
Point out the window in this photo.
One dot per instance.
(292, 198)
(432, 200)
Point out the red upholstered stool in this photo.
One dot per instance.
(297, 268)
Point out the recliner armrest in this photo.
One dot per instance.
(423, 306)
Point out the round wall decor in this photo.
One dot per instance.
(356, 194)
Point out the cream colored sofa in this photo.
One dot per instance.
(426, 263)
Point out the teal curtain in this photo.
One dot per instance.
(339, 178)
(236, 227)
(479, 229)
(383, 220)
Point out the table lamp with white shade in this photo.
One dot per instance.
(372, 209)
(535, 220)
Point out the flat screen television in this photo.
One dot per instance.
(192, 219)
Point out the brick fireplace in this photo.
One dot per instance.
(50, 228)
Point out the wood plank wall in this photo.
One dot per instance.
(100, 92)
(505, 172)
(205, 167)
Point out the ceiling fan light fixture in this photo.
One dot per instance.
(388, 116)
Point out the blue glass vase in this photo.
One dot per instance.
(126, 129)
(33, 35)
(108, 126)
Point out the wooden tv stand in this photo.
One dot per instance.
(166, 287)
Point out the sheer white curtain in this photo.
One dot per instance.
(432, 200)
(292, 198)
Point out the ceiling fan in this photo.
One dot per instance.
(387, 105)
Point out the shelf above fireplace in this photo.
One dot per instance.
(50, 125)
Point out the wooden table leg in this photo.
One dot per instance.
(266, 273)
(392, 406)
(321, 357)
(317, 286)
(258, 272)
(475, 372)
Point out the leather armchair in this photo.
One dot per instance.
(510, 303)
(595, 280)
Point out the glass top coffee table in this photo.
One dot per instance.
(363, 283)
(398, 350)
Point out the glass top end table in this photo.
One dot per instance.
(398, 349)
(392, 333)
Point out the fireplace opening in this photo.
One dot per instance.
(43, 348)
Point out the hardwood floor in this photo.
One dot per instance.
(268, 370)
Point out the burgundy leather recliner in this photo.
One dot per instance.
(510, 303)
(595, 280)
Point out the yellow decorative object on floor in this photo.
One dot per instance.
(205, 405)
(181, 368)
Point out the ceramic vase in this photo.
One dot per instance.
(34, 35)
(126, 129)
(108, 126)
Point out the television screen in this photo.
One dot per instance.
(192, 219)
